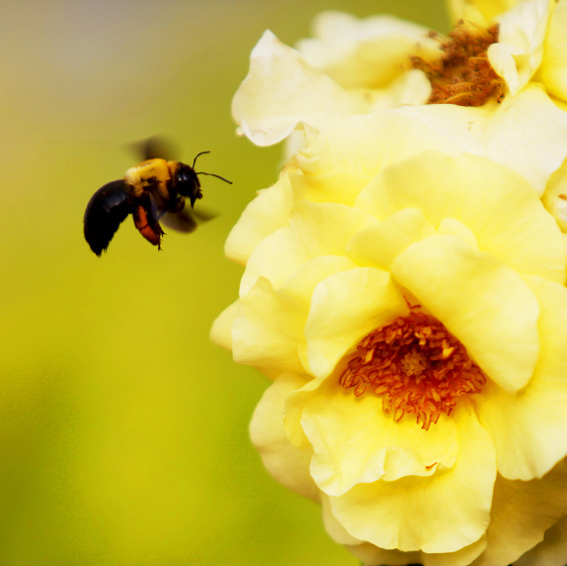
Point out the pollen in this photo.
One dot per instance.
(416, 366)
(463, 75)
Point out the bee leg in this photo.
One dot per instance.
(147, 225)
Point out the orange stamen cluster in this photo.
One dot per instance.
(416, 366)
(463, 75)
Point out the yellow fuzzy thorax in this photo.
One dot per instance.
(153, 172)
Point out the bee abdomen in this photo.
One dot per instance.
(106, 210)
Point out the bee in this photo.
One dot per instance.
(153, 191)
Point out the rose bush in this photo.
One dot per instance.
(409, 304)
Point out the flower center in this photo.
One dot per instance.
(463, 75)
(416, 366)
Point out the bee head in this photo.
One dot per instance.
(187, 184)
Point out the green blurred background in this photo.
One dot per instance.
(123, 430)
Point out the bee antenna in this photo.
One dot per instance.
(213, 175)
(195, 160)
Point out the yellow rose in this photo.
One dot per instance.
(413, 324)
(366, 68)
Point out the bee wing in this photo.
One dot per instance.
(204, 214)
(106, 210)
(186, 220)
(180, 221)
(152, 148)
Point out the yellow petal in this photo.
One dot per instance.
(441, 513)
(519, 50)
(295, 403)
(268, 329)
(554, 64)
(502, 59)
(314, 230)
(506, 133)
(552, 550)
(381, 243)
(481, 12)
(325, 228)
(301, 285)
(221, 332)
(334, 528)
(344, 157)
(477, 298)
(275, 258)
(410, 88)
(287, 463)
(264, 215)
(364, 53)
(373, 556)
(555, 197)
(521, 513)
(345, 307)
(282, 90)
(461, 557)
(529, 429)
(496, 205)
(356, 442)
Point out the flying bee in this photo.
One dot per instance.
(153, 191)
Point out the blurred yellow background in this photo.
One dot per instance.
(123, 430)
